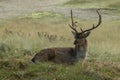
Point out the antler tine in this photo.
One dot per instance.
(99, 19)
(99, 22)
(72, 18)
(72, 26)
(81, 29)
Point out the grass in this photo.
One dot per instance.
(94, 3)
(21, 38)
(49, 15)
(50, 71)
(110, 6)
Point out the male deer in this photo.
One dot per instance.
(68, 55)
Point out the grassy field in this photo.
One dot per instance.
(21, 38)
(94, 3)
(113, 7)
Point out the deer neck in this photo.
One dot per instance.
(81, 50)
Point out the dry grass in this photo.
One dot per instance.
(35, 34)
(19, 41)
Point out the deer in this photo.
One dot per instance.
(68, 55)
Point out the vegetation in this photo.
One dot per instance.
(94, 3)
(21, 38)
(11, 70)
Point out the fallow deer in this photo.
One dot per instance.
(68, 55)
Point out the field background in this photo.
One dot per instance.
(27, 28)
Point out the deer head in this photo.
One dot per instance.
(83, 33)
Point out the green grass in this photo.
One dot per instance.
(20, 40)
(49, 15)
(50, 71)
(94, 3)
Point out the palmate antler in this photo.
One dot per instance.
(73, 26)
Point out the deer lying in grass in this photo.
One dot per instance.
(68, 55)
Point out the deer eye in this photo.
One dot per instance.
(77, 36)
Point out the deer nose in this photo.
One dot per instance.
(75, 42)
(33, 60)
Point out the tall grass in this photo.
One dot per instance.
(21, 35)
(19, 41)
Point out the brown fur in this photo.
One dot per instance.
(61, 55)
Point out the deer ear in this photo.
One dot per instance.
(87, 34)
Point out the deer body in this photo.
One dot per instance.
(57, 55)
(68, 55)
(62, 55)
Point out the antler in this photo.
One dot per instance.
(99, 22)
(73, 25)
